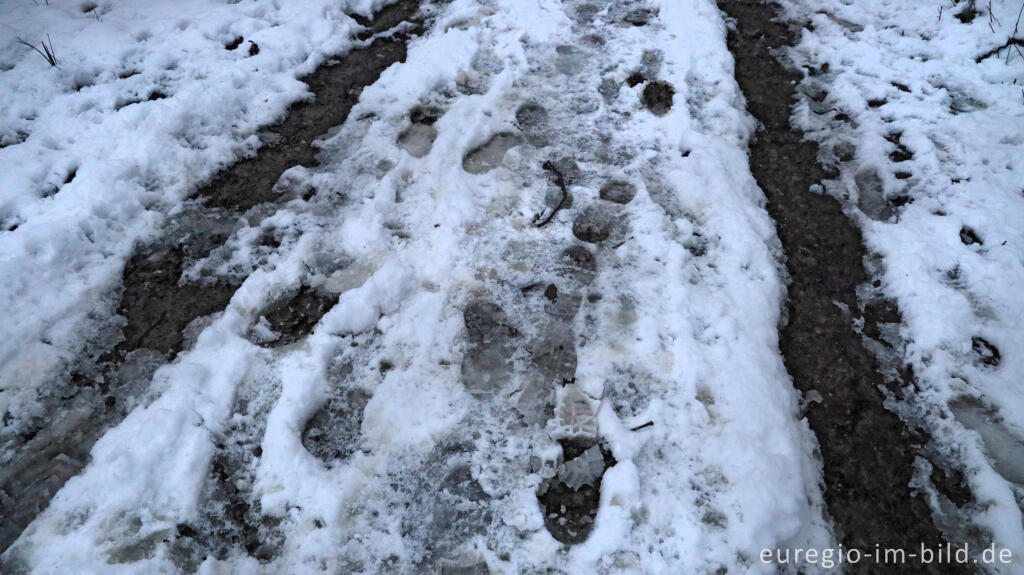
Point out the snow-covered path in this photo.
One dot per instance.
(518, 313)
(494, 343)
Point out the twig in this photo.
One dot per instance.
(1016, 26)
(992, 18)
(1015, 42)
(47, 51)
(639, 427)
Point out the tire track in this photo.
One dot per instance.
(867, 451)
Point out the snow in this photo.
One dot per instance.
(674, 324)
(133, 159)
(952, 256)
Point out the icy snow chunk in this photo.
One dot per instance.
(554, 353)
(490, 154)
(461, 568)
(575, 416)
(534, 401)
(295, 182)
(813, 396)
(263, 333)
(351, 276)
(583, 470)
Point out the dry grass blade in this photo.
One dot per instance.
(47, 51)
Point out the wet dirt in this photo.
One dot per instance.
(157, 305)
(657, 97)
(570, 510)
(293, 318)
(157, 308)
(867, 451)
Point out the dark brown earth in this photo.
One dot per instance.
(157, 305)
(867, 451)
(294, 317)
(569, 513)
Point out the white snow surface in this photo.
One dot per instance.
(952, 256)
(678, 327)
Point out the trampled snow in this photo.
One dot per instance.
(415, 428)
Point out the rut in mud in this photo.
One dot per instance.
(868, 454)
(162, 311)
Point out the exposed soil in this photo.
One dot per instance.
(158, 306)
(293, 318)
(868, 454)
(658, 97)
(569, 512)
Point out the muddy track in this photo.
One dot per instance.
(158, 306)
(868, 454)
